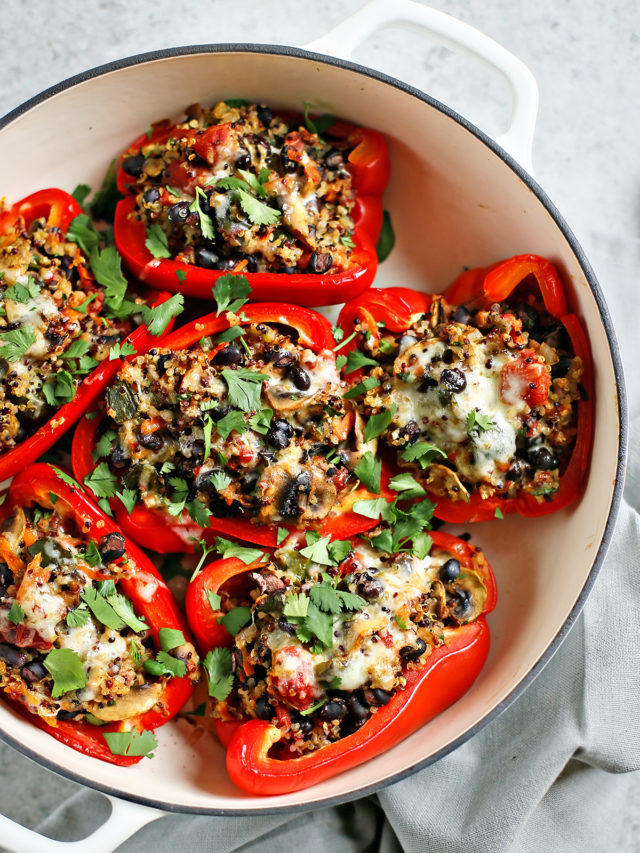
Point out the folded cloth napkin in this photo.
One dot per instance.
(545, 775)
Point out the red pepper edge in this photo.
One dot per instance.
(447, 674)
(495, 283)
(60, 208)
(160, 531)
(145, 588)
(369, 166)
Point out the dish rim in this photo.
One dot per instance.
(622, 409)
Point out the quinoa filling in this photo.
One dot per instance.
(236, 187)
(72, 647)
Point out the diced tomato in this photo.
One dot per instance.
(527, 377)
(292, 678)
(213, 145)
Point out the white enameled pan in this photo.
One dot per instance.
(457, 197)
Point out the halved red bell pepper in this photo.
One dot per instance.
(59, 209)
(486, 286)
(368, 164)
(447, 674)
(158, 530)
(144, 587)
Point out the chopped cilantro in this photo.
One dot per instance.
(236, 619)
(261, 421)
(121, 350)
(103, 204)
(498, 513)
(387, 238)
(230, 292)
(157, 318)
(368, 471)
(17, 342)
(166, 664)
(102, 481)
(357, 359)
(477, 422)
(217, 666)
(214, 599)
(245, 387)
(232, 421)
(231, 549)
(363, 387)
(406, 484)
(281, 535)
(59, 389)
(131, 743)
(15, 614)
(66, 669)
(422, 452)
(206, 224)
(157, 242)
(378, 423)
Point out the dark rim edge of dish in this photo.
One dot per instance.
(531, 183)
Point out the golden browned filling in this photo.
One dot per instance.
(255, 426)
(329, 632)
(238, 188)
(53, 327)
(475, 401)
(72, 646)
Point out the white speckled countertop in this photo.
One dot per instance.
(584, 55)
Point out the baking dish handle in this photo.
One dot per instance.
(458, 36)
(123, 822)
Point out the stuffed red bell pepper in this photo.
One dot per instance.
(61, 333)
(485, 395)
(239, 188)
(94, 648)
(236, 423)
(321, 657)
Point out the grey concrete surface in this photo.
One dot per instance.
(583, 53)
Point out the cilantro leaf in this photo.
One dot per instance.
(220, 480)
(121, 350)
(214, 599)
(368, 471)
(102, 481)
(60, 389)
(157, 242)
(422, 452)
(296, 605)
(387, 238)
(421, 544)
(406, 484)
(318, 125)
(316, 549)
(103, 204)
(498, 513)
(230, 334)
(124, 609)
(166, 664)
(66, 478)
(231, 549)
(15, 614)
(81, 192)
(101, 609)
(76, 348)
(236, 619)
(377, 424)
(206, 224)
(23, 293)
(254, 182)
(258, 212)
(351, 601)
(281, 535)
(65, 666)
(261, 421)
(326, 598)
(106, 265)
(92, 555)
(78, 617)
(232, 421)
(131, 743)
(17, 343)
(477, 422)
(198, 512)
(341, 360)
(245, 388)
(217, 666)
(128, 497)
(371, 508)
(320, 624)
(357, 359)
(230, 292)
(82, 232)
(157, 318)
(367, 384)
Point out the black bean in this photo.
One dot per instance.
(231, 354)
(453, 380)
(280, 434)
(288, 270)
(543, 459)
(320, 262)
(357, 709)
(375, 696)
(462, 315)
(33, 671)
(561, 367)
(161, 364)
(243, 159)
(516, 470)
(151, 195)
(119, 458)
(368, 586)
(410, 431)
(462, 604)
(111, 547)
(350, 725)
(427, 383)
(6, 575)
(333, 158)
(204, 480)
(286, 626)
(449, 571)
(133, 164)
(152, 441)
(284, 359)
(334, 709)
(288, 164)
(265, 115)
(413, 652)
(447, 356)
(289, 507)
(304, 723)
(12, 656)
(179, 212)
(207, 258)
(556, 336)
(300, 377)
(67, 715)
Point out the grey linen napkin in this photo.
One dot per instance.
(545, 775)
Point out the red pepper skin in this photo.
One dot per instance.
(163, 533)
(487, 285)
(60, 208)
(145, 588)
(448, 673)
(369, 166)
